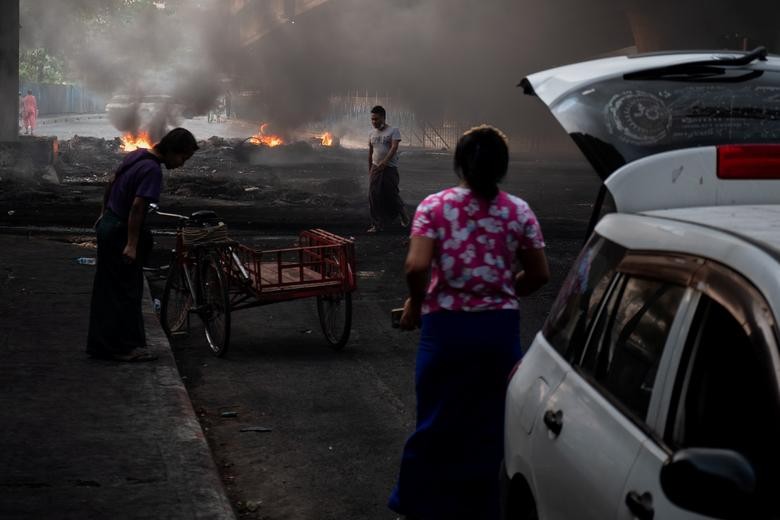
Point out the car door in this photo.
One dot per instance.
(722, 393)
(591, 428)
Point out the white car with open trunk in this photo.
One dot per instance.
(653, 389)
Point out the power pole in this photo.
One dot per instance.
(9, 70)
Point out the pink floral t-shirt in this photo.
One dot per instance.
(476, 245)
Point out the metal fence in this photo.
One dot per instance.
(356, 106)
(64, 99)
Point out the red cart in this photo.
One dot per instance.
(211, 276)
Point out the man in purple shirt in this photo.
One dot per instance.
(116, 328)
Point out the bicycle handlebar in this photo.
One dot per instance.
(154, 208)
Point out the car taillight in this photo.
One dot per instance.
(749, 161)
(512, 372)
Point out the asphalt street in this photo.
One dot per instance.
(326, 428)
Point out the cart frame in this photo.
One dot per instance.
(213, 278)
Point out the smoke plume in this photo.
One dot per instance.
(137, 51)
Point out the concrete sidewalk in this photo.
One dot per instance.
(82, 438)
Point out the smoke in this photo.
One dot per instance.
(460, 60)
(443, 59)
(166, 57)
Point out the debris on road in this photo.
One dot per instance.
(261, 429)
(229, 414)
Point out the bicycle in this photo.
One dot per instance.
(196, 281)
(211, 276)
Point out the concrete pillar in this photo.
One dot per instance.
(9, 70)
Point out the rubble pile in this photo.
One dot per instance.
(295, 174)
(90, 157)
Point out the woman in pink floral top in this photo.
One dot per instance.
(470, 239)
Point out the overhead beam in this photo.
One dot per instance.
(701, 24)
(257, 18)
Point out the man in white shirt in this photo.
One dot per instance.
(384, 199)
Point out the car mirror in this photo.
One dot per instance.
(710, 482)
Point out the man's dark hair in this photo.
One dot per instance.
(178, 140)
(482, 159)
(379, 110)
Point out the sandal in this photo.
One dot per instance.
(135, 356)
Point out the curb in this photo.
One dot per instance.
(47, 120)
(190, 461)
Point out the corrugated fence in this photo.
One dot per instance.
(64, 99)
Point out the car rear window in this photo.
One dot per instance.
(619, 120)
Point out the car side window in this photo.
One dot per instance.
(726, 394)
(627, 342)
(571, 315)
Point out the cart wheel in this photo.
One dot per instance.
(215, 308)
(176, 301)
(335, 311)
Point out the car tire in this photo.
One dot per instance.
(517, 499)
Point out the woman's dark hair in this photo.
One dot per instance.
(178, 140)
(481, 159)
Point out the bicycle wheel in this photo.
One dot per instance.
(215, 306)
(335, 312)
(176, 301)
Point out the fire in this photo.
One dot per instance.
(132, 142)
(266, 139)
(326, 139)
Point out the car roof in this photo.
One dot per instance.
(743, 238)
(758, 224)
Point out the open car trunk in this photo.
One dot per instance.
(622, 110)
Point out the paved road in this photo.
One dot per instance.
(338, 420)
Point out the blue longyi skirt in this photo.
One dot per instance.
(450, 464)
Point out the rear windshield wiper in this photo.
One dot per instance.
(700, 74)
(700, 69)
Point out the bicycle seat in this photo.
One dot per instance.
(204, 217)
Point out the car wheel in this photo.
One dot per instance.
(517, 499)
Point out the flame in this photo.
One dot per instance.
(132, 142)
(326, 139)
(260, 138)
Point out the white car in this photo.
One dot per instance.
(127, 112)
(653, 389)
